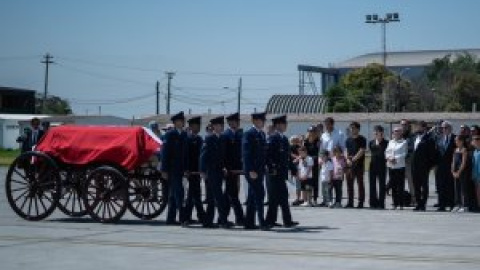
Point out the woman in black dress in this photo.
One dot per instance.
(312, 143)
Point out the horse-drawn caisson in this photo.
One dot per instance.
(100, 171)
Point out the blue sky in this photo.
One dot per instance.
(111, 53)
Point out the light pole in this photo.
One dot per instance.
(374, 18)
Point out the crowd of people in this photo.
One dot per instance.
(406, 158)
(317, 164)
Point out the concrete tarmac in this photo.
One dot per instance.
(326, 239)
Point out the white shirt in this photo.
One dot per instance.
(396, 149)
(304, 166)
(326, 171)
(332, 139)
(418, 139)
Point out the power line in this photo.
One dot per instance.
(102, 76)
(96, 63)
(18, 58)
(111, 102)
(252, 74)
(193, 73)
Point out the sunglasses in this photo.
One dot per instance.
(476, 138)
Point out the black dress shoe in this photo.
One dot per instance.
(250, 227)
(419, 209)
(291, 224)
(276, 224)
(265, 228)
(210, 226)
(193, 221)
(360, 206)
(227, 225)
(349, 205)
(239, 223)
(441, 209)
(172, 223)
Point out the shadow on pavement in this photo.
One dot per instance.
(121, 222)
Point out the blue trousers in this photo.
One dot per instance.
(256, 195)
(175, 198)
(216, 198)
(278, 197)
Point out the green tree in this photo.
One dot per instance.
(455, 82)
(361, 90)
(54, 105)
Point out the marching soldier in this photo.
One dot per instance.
(278, 157)
(254, 161)
(174, 166)
(194, 193)
(232, 140)
(212, 168)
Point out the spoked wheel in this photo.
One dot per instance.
(71, 202)
(146, 198)
(33, 186)
(105, 194)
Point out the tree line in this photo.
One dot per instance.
(451, 83)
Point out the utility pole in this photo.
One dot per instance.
(157, 104)
(239, 94)
(47, 61)
(169, 77)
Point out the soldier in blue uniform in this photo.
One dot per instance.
(212, 167)
(194, 193)
(254, 162)
(232, 140)
(174, 166)
(278, 157)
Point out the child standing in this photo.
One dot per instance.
(339, 163)
(326, 175)
(305, 166)
(295, 144)
(458, 171)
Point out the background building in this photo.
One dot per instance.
(18, 101)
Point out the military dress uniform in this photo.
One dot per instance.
(254, 160)
(194, 193)
(232, 140)
(278, 158)
(175, 164)
(212, 165)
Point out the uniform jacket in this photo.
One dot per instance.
(211, 155)
(254, 151)
(195, 143)
(278, 155)
(232, 145)
(175, 152)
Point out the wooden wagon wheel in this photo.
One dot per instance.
(33, 186)
(105, 194)
(146, 196)
(71, 199)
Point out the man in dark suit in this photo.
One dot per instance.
(212, 165)
(232, 145)
(278, 157)
(174, 166)
(31, 135)
(194, 194)
(254, 162)
(423, 159)
(445, 185)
